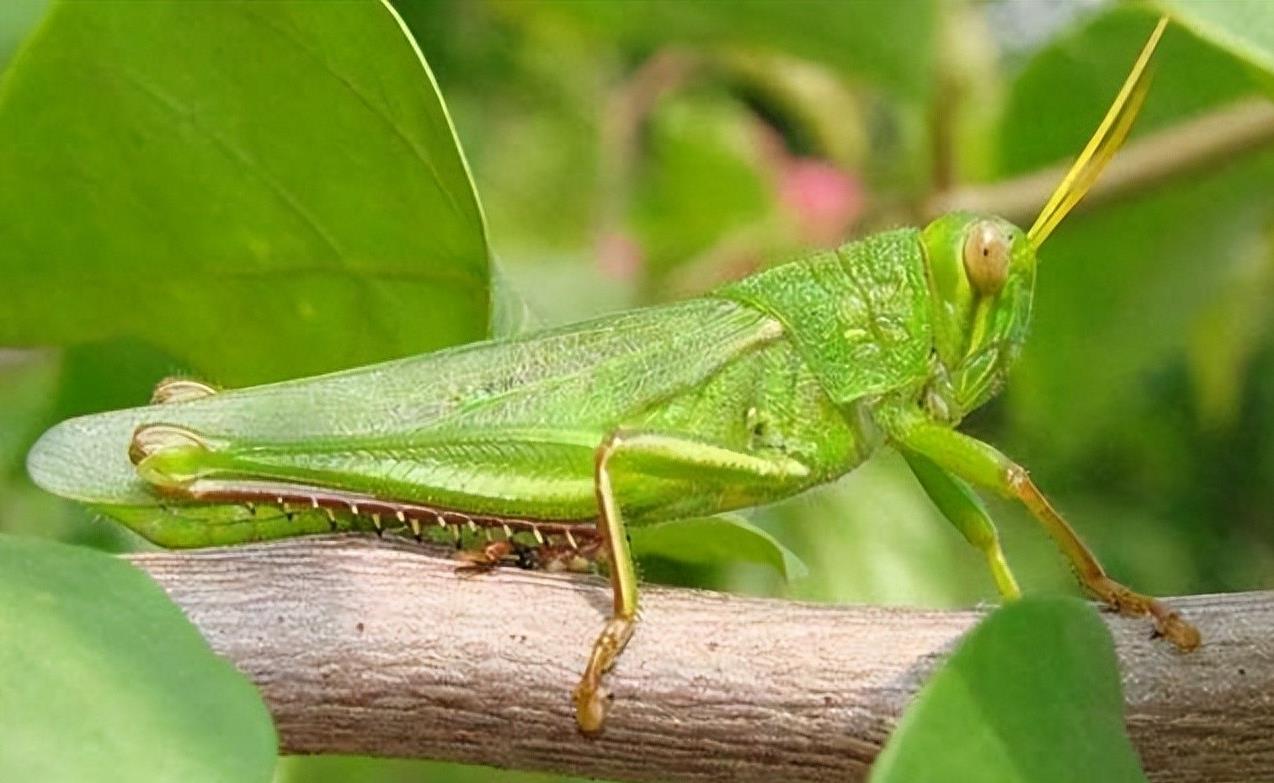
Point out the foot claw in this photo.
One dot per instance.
(1168, 623)
(592, 701)
(1181, 633)
(591, 706)
(484, 560)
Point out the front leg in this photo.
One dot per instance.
(962, 508)
(982, 465)
(635, 453)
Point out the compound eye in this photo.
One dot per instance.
(986, 257)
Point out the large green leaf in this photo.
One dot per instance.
(718, 540)
(261, 190)
(1031, 696)
(1243, 27)
(17, 17)
(102, 678)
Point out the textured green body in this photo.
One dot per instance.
(785, 365)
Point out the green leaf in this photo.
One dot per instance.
(713, 541)
(703, 180)
(1229, 332)
(1031, 696)
(27, 380)
(872, 40)
(261, 190)
(1121, 284)
(329, 768)
(17, 18)
(1245, 28)
(102, 678)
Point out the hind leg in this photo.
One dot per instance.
(634, 453)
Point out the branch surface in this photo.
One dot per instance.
(380, 648)
(1198, 145)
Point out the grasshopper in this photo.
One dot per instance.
(557, 440)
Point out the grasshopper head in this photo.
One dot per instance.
(981, 274)
(981, 269)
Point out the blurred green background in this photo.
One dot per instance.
(628, 153)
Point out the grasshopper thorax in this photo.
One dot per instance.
(981, 276)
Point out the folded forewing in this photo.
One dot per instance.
(581, 379)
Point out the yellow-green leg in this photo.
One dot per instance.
(664, 455)
(982, 465)
(956, 501)
(590, 697)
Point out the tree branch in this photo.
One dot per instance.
(1180, 149)
(369, 647)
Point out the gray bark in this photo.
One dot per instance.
(380, 648)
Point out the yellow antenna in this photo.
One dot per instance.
(1101, 147)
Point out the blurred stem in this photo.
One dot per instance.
(966, 81)
(1196, 144)
(942, 131)
(736, 254)
(625, 113)
(1228, 332)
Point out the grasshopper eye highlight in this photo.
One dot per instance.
(986, 257)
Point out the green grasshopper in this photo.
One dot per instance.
(557, 440)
